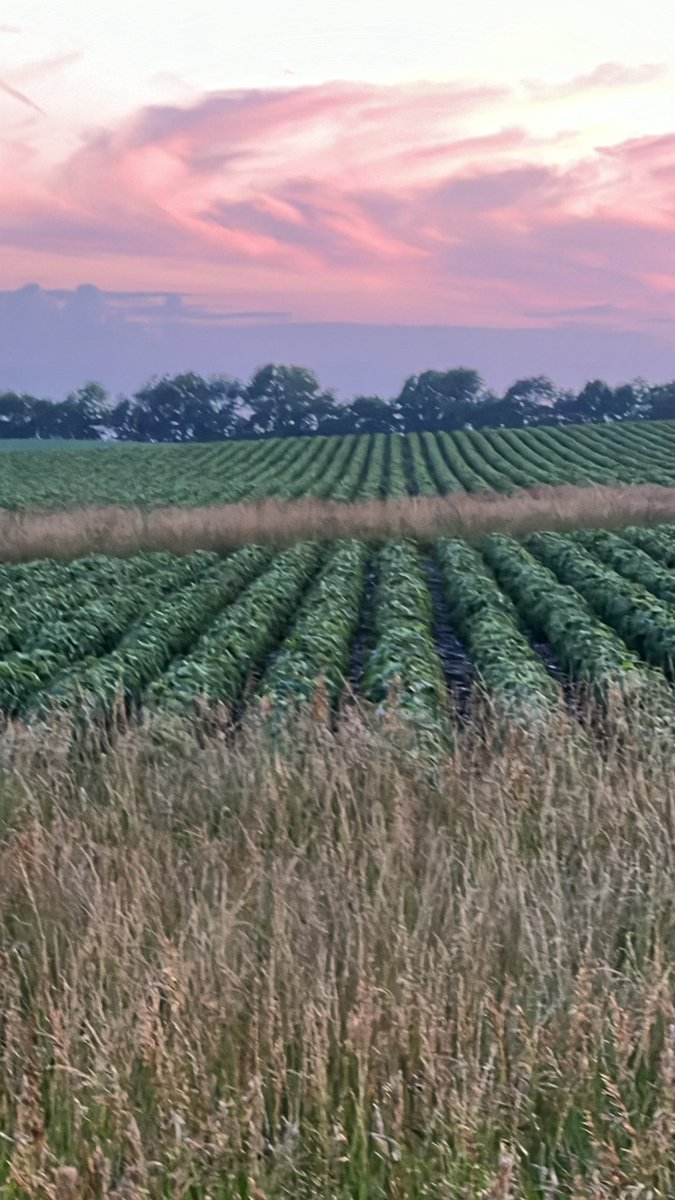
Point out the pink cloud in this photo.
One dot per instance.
(21, 97)
(357, 202)
(48, 66)
(605, 75)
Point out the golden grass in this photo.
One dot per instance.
(120, 530)
(237, 971)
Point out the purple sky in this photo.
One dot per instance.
(51, 343)
(367, 189)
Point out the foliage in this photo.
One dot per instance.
(403, 670)
(95, 685)
(645, 623)
(238, 640)
(590, 651)
(439, 399)
(315, 655)
(285, 401)
(486, 620)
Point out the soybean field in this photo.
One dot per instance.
(530, 625)
(353, 467)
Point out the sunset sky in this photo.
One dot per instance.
(368, 162)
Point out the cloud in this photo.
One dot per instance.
(34, 72)
(356, 202)
(49, 66)
(45, 353)
(21, 97)
(105, 307)
(579, 310)
(606, 75)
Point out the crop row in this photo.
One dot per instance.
(96, 684)
(316, 653)
(92, 628)
(646, 623)
(240, 638)
(404, 669)
(366, 465)
(488, 624)
(276, 631)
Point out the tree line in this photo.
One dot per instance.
(288, 401)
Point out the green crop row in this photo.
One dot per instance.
(509, 453)
(343, 466)
(92, 629)
(644, 622)
(372, 485)
(345, 487)
(487, 622)
(397, 481)
(94, 685)
(658, 542)
(404, 669)
(57, 591)
(476, 453)
(468, 477)
(238, 641)
(317, 649)
(445, 479)
(425, 484)
(628, 560)
(588, 650)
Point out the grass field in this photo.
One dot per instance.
(332, 865)
(242, 971)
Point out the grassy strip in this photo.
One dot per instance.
(126, 531)
(235, 975)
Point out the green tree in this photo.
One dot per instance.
(17, 415)
(372, 414)
(595, 402)
(285, 401)
(182, 408)
(83, 413)
(440, 399)
(661, 401)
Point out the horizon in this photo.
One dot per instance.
(83, 336)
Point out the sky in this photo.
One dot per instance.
(357, 184)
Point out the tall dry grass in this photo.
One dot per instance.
(122, 530)
(244, 971)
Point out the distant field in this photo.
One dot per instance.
(40, 444)
(71, 475)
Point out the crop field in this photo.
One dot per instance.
(354, 467)
(532, 626)
(339, 866)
